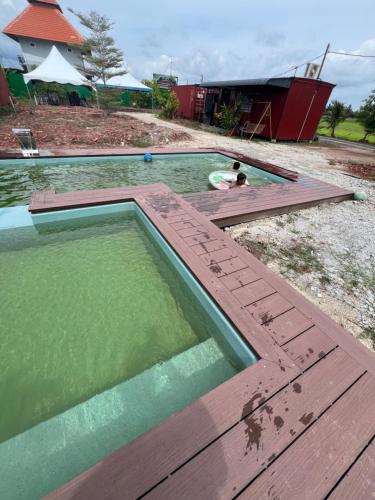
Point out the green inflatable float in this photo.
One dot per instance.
(360, 196)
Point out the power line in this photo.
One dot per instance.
(294, 68)
(353, 55)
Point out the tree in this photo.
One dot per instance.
(336, 113)
(103, 58)
(366, 116)
(160, 96)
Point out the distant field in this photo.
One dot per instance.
(350, 130)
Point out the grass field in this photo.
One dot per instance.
(350, 130)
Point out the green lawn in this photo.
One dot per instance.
(350, 130)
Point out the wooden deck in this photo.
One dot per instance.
(242, 205)
(300, 423)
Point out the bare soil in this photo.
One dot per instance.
(69, 126)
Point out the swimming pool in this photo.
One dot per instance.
(183, 173)
(104, 334)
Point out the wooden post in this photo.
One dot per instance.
(261, 118)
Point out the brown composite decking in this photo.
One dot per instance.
(300, 423)
(243, 205)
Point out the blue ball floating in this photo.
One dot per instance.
(147, 157)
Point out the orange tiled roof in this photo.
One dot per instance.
(44, 23)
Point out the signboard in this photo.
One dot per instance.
(312, 70)
(165, 81)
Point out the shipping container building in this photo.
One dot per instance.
(287, 109)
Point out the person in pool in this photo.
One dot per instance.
(240, 182)
(235, 167)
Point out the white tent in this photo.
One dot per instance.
(126, 82)
(56, 69)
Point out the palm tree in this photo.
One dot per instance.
(336, 113)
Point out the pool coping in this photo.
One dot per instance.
(291, 336)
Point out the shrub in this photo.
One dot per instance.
(170, 107)
(229, 116)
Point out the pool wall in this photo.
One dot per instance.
(228, 338)
(45, 456)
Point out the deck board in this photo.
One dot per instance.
(241, 454)
(321, 456)
(225, 207)
(141, 464)
(359, 482)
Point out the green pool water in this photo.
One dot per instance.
(102, 337)
(182, 173)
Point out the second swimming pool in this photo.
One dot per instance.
(183, 173)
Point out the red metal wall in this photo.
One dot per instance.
(191, 99)
(277, 96)
(295, 111)
(303, 109)
(4, 90)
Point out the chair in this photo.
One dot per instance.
(252, 128)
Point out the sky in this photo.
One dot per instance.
(233, 40)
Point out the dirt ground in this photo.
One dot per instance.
(69, 126)
(327, 252)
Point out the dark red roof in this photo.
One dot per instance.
(40, 21)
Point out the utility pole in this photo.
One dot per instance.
(323, 61)
(170, 67)
(201, 79)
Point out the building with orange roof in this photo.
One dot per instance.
(41, 25)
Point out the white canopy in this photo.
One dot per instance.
(56, 69)
(126, 82)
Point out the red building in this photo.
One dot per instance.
(286, 109)
(192, 101)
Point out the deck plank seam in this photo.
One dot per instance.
(301, 333)
(370, 443)
(266, 323)
(304, 370)
(242, 286)
(308, 427)
(285, 344)
(257, 300)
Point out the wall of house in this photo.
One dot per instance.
(35, 51)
